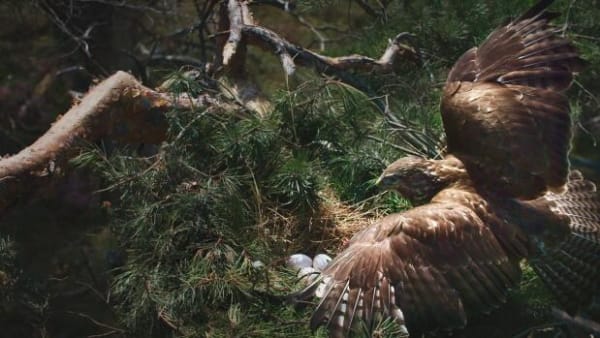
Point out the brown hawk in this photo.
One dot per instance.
(502, 193)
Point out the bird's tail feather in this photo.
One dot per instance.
(572, 269)
(345, 310)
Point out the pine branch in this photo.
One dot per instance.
(119, 106)
(237, 18)
(123, 108)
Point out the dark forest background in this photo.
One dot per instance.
(164, 240)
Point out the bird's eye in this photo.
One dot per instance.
(388, 180)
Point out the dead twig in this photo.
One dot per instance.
(96, 322)
(336, 66)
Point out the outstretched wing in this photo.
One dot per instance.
(425, 268)
(503, 107)
(571, 267)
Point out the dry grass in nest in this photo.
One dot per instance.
(340, 221)
(326, 229)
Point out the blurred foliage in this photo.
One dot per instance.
(189, 238)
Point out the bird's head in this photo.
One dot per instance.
(413, 177)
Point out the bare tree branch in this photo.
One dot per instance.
(126, 110)
(238, 19)
(125, 4)
(119, 106)
(381, 13)
(286, 5)
(232, 56)
(235, 16)
(204, 13)
(367, 8)
(336, 66)
(316, 32)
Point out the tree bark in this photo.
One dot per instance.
(119, 106)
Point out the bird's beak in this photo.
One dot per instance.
(387, 182)
(378, 182)
(381, 182)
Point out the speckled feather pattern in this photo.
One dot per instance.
(572, 269)
(504, 111)
(428, 267)
(502, 193)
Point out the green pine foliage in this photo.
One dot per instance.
(206, 223)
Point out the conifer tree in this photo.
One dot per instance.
(196, 229)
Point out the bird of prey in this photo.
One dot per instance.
(502, 193)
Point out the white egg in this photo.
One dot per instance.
(321, 261)
(308, 274)
(299, 261)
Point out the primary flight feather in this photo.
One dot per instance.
(502, 193)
